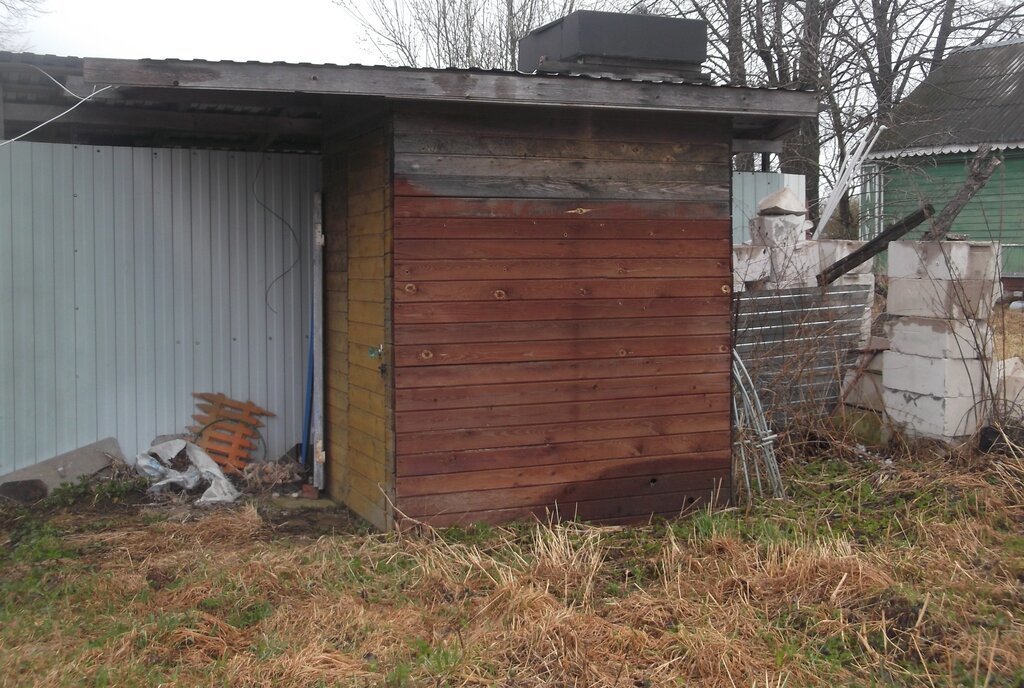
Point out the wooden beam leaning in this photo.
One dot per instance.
(875, 246)
(450, 85)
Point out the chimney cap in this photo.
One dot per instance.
(610, 40)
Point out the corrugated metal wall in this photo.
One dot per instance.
(996, 213)
(132, 277)
(750, 187)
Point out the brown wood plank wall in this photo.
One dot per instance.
(358, 300)
(562, 313)
(335, 280)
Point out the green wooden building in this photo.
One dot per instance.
(975, 97)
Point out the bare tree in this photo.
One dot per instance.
(861, 56)
(454, 33)
(13, 15)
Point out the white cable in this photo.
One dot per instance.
(54, 80)
(56, 117)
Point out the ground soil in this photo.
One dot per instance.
(902, 568)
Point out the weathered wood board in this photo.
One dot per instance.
(561, 304)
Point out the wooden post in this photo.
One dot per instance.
(875, 246)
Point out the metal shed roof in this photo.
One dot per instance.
(231, 104)
(976, 96)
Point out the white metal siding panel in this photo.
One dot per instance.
(7, 322)
(131, 278)
(750, 187)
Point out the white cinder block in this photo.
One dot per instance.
(782, 202)
(928, 298)
(944, 260)
(750, 263)
(940, 338)
(796, 265)
(940, 377)
(1010, 388)
(831, 250)
(922, 415)
(863, 389)
(853, 278)
(778, 230)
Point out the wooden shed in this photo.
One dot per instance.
(526, 277)
(528, 308)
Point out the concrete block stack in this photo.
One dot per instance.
(862, 386)
(781, 229)
(940, 345)
(750, 265)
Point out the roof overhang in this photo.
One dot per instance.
(478, 86)
(281, 106)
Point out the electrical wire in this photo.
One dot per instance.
(59, 84)
(295, 236)
(57, 117)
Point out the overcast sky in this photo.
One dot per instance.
(288, 30)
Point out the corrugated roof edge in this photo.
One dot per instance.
(942, 150)
(988, 46)
(4, 55)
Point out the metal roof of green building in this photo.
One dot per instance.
(975, 96)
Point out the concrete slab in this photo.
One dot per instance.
(831, 250)
(65, 468)
(782, 202)
(922, 415)
(928, 298)
(940, 377)
(778, 230)
(944, 260)
(1010, 384)
(940, 338)
(796, 265)
(864, 389)
(750, 263)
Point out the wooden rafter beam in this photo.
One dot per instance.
(455, 86)
(100, 116)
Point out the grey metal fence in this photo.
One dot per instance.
(797, 343)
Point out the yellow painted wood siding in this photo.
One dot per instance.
(335, 217)
(367, 470)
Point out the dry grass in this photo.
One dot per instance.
(905, 573)
(1008, 327)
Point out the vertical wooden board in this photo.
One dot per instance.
(238, 270)
(369, 166)
(124, 300)
(7, 365)
(66, 417)
(335, 301)
(164, 332)
(24, 311)
(181, 215)
(220, 278)
(202, 313)
(145, 295)
(85, 296)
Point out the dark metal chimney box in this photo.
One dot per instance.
(614, 42)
